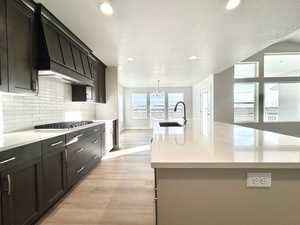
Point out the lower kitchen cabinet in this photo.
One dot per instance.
(21, 187)
(53, 170)
(35, 176)
(84, 151)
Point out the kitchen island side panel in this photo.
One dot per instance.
(220, 196)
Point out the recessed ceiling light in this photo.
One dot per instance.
(106, 8)
(232, 4)
(193, 57)
(130, 59)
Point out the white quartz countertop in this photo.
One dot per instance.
(17, 139)
(220, 145)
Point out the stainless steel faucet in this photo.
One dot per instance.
(181, 102)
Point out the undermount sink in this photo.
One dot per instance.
(170, 124)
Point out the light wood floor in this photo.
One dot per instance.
(118, 192)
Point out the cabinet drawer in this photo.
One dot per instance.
(75, 137)
(78, 155)
(7, 159)
(95, 146)
(53, 145)
(28, 153)
(94, 130)
(75, 172)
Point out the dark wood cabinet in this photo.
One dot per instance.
(84, 152)
(35, 176)
(21, 39)
(100, 76)
(21, 187)
(53, 170)
(3, 48)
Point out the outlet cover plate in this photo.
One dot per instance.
(259, 180)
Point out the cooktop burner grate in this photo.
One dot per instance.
(63, 125)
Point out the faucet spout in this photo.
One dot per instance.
(184, 110)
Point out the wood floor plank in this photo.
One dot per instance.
(118, 192)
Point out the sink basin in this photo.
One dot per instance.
(170, 124)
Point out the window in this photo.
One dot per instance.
(157, 106)
(282, 65)
(139, 106)
(245, 102)
(246, 70)
(282, 102)
(173, 98)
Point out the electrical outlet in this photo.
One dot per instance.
(259, 180)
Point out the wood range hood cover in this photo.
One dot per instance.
(61, 53)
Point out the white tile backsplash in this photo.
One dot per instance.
(53, 104)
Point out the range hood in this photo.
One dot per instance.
(61, 53)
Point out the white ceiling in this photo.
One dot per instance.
(162, 34)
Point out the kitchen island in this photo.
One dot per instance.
(214, 174)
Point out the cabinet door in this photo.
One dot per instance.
(53, 170)
(23, 200)
(3, 49)
(67, 52)
(21, 47)
(101, 83)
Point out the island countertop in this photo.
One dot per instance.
(220, 145)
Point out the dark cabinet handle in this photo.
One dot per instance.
(8, 160)
(95, 141)
(56, 143)
(9, 184)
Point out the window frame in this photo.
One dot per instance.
(132, 106)
(278, 53)
(279, 83)
(256, 63)
(255, 103)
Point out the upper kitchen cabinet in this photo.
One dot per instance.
(61, 52)
(97, 92)
(100, 76)
(3, 49)
(19, 72)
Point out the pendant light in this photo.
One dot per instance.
(157, 91)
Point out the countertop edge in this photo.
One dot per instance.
(52, 135)
(220, 165)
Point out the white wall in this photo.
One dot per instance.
(204, 85)
(53, 104)
(109, 110)
(131, 123)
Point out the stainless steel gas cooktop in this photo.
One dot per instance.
(63, 125)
